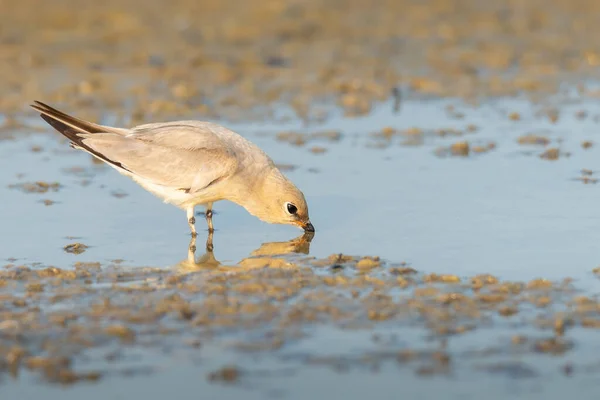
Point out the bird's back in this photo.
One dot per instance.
(193, 134)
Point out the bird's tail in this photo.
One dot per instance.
(63, 122)
(75, 129)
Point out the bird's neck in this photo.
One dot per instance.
(250, 187)
(252, 191)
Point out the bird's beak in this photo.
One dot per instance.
(308, 227)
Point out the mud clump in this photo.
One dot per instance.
(37, 187)
(368, 263)
(460, 149)
(318, 150)
(229, 374)
(445, 278)
(532, 139)
(586, 177)
(552, 345)
(121, 331)
(300, 139)
(483, 148)
(75, 248)
(294, 138)
(464, 149)
(551, 154)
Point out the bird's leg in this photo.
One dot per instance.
(209, 242)
(192, 250)
(211, 229)
(208, 214)
(192, 221)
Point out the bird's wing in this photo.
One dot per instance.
(182, 155)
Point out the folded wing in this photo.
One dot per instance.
(191, 169)
(185, 155)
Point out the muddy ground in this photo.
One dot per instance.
(448, 152)
(226, 59)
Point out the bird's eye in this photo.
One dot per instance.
(292, 209)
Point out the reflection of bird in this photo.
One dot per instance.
(189, 163)
(300, 245)
(266, 252)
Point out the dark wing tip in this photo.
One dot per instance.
(39, 106)
(66, 130)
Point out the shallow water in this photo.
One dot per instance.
(505, 212)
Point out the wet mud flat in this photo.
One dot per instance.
(488, 295)
(485, 114)
(458, 315)
(68, 326)
(121, 59)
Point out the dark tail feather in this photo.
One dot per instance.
(71, 128)
(76, 123)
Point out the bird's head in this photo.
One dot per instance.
(276, 200)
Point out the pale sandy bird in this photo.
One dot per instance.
(190, 163)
